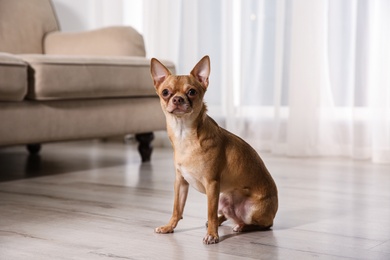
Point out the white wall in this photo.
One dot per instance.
(75, 15)
(81, 15)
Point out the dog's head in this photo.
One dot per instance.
(181, 95)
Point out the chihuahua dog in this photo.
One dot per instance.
(212, 160)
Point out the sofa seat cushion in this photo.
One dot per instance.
(53, 77)
(13, 78)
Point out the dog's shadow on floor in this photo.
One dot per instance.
(226, 231)
(229, 233)
(227, 236)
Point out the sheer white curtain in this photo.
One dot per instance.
(292, 77)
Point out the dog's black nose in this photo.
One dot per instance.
(178, 100)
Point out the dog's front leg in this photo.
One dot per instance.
(181, 191)
(212, 192)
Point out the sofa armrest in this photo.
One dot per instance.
(109, 41)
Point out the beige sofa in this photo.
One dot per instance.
(57, 86)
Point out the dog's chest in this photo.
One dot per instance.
(191, 178)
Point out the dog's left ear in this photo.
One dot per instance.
(201, 71)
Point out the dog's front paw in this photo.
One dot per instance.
(164, 229)
(210, 239)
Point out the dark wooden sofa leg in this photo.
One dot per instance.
(145, 147)
(33, 149)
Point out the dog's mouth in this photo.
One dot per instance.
(178, 110)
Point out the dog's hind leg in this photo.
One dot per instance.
(221, 219)
(259, 217)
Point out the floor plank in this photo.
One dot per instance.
(94, 200)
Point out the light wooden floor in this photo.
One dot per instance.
(97, 201)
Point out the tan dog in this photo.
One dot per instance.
(214, 161)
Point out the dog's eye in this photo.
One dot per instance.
(192, 92)
(165, 93)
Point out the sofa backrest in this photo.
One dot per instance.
(24, 24)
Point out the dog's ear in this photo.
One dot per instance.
(158, 71)
(201, 71)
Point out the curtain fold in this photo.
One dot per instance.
(379, 80)
(292, 77)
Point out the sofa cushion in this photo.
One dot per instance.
(13, 78)
(53, 77)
